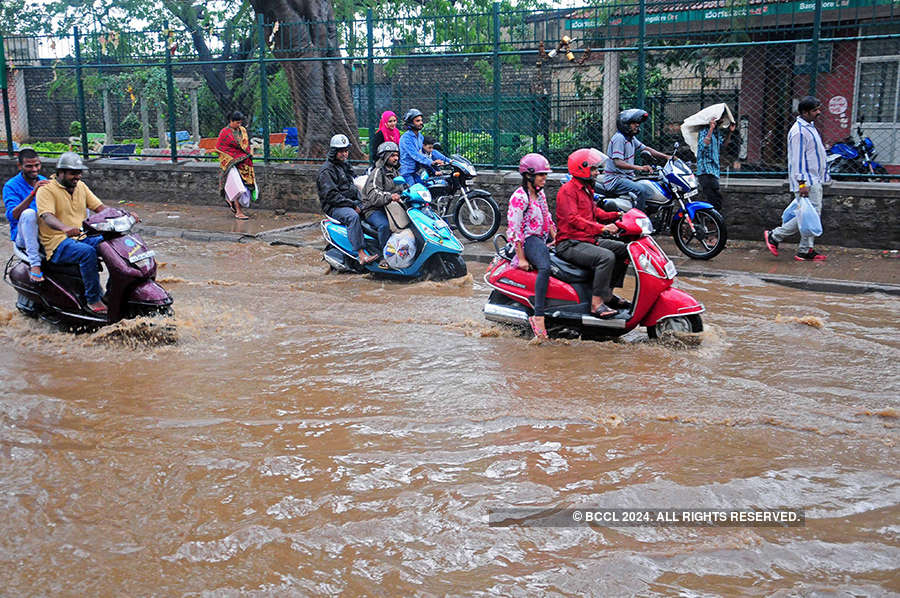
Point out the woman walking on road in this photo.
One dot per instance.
(233, 146)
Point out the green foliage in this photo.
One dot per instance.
(75, 128)
(477, 147)
(433, 125)
(48, 148)
(485, 69)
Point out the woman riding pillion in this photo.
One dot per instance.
(530, 226)
(580, 225)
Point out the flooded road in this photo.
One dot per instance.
(314, 434)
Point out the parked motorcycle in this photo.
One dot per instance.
(848, 158)
(131, 290)
(475, 213)
(656, 304)
(437, 253)
(697, 228)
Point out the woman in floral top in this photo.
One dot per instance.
(529, 227)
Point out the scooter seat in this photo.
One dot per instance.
(566, 272)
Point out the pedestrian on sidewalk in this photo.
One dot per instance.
(709, 145)
(233, 146)
(807, 172)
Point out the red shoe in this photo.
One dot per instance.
(810, 256)
(771, 243)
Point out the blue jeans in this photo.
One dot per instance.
(411, 179)
(349, 218)
(624, 185)
(83, 253)
(27, 237)
(538, 255)
(378, 219)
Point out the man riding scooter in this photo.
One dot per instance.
(61, 206)
(580, 223)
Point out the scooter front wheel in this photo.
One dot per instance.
(444, 266)
(706, 239)
(692, 323)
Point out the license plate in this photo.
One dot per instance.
(141, 256)
(690, 194)
(670, 270)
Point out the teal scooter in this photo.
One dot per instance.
(435, 252)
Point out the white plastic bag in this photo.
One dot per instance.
(400, 251)
(808, 220)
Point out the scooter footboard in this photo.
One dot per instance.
(672, 302)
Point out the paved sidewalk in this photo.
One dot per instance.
(847, 270)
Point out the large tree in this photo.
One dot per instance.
(323, 103)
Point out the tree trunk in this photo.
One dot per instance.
(323, 103)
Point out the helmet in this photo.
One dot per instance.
(626, 117)
(534, 164)
(339, 142)
(411, 114)
(70, 161)
(582, 160)
(388, 147)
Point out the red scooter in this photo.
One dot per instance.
(656, 304)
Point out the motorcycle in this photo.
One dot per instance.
(437, 251)
(474, 211)
(131, 290)
(656, 304)
(846, 158)
(696, 227)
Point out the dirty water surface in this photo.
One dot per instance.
(317, 434)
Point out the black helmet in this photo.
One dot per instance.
(388, 147)
(626, 117)
(410, 115)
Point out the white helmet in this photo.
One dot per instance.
(340, 142)
(70, 161)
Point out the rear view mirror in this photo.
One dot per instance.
(399, 180)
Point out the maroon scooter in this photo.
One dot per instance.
(131, 291)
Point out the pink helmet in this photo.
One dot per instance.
(534, 164)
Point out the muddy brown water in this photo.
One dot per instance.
(313, 434)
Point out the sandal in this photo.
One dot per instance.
(604, 311)
(537, 329)
(619, 303)
(35, 276)
(241, 217)
(230, 205)
(100, 311)
(368, 259)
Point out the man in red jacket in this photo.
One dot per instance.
(580, 222)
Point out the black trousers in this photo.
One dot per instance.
(709, 187)
(606, 258)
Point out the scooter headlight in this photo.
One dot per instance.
(425, 194)
(122, 224)
(646, 226)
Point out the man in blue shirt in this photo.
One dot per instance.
(618, 175)
(807, 172)
(21, 210)
(411, 156)
(709, 144)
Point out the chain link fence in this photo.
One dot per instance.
(492, 85)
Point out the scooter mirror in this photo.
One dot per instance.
(399, 180)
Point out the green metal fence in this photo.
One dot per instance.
(493, 85)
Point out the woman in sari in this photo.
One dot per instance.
(233, 146)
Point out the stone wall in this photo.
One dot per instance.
(855, 214)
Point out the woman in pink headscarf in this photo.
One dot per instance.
(387, 131)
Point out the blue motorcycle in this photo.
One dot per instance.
(847, 158)
(696, 227)
(433, 251)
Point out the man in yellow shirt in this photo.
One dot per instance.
(61, 206)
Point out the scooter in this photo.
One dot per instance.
(131, 290)
(656, 303)
(437, 252)
(475, 212)
(846, 158)
(697, 228)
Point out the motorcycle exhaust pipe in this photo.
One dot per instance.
(505, 314)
